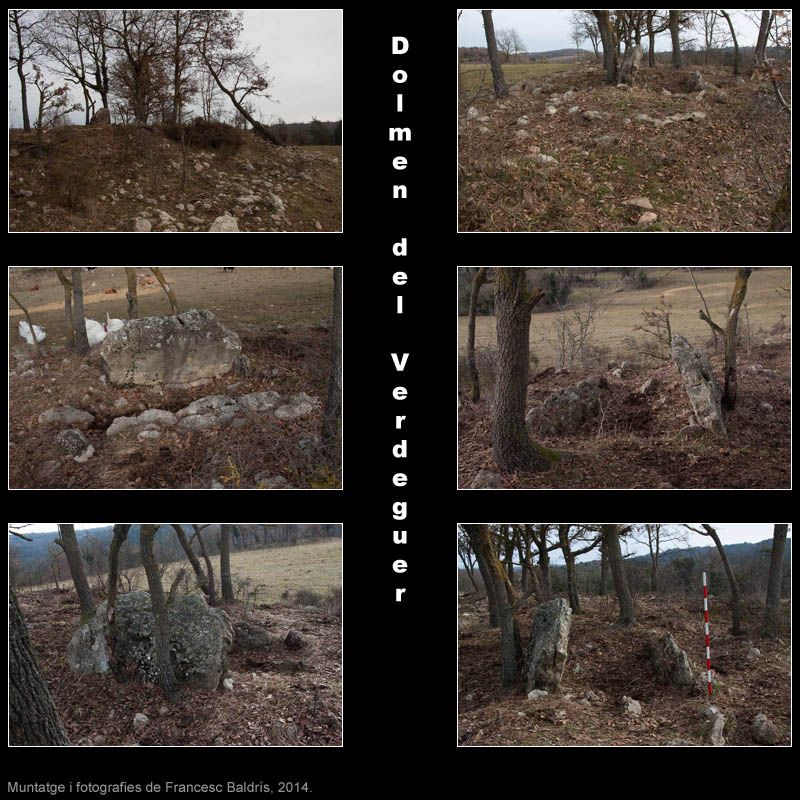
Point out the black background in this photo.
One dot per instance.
(399, 659)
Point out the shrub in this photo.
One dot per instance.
(307, 597)
(69, 182)
(206, 134)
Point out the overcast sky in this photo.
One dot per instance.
(729, 533)
(303, 49)
(549, 29)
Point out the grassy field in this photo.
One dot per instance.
(620, 312)
(249, 295)
(316, 566)
(476, 76)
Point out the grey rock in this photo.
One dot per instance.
(224, 224)
(249, 636)
(548, 646)
(140, 721)
(101, 117)
(487, 479)
(298, 405)
(537, 694)
(591, 115)
(629, 67)
(565, 411)
(264, 480)
(141, 225)
(764, 731)
(714, 727)
(67, 415)
(295, 640)
(700, 386)
(212, 404)
(649, 387)
(697, 83)
(227, 684)
(631, 707)
(242, 366)
(178, 351)
(259, 401)
(671, 664)
(691, 432)
(200, 638)
(153, 416)
(71, 442)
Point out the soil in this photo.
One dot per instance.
(720, 173)
(634, 444)
(101, 178)
(613, 662)
(279, 697)
(289, 357)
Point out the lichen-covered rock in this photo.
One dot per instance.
(700, 385)
(548, 646)
(248, 636)
(259, 401)
(149, 418)
(200, 638)
(185, 350)
(295, 640)
(224, 224)
(764, 731)
(67, 415)
(670, 662)
(629, 67)
(71, 442)
(565, 411)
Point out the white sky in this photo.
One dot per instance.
(729, 533)
(549, 29)
(303, 48)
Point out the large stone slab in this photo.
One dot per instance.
(547, 649)
(200, 638)
(670, 662)
(189, 349)
(700, 385)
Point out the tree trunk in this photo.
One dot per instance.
(736, 609)
(603, 575)
(65, 282)
(332, 415)
(161, 643)
(81, 338)
(491, 600)
(173, 302)
(674, 32)
(200, 575)
(546, 581)
(737, 298)
(760, 54)
(498, 79)
(32, 715)
(772, 617)
(118, 539)
(472, 369)
(651, 49)
(225, 564)
(610, 46)
(513, 448)
(612, 549)
(212, 587)
(68, 542)
(737, 61)
(510, 642)
(31, 330)
(781, 219)
(131, 294)
(569, 561)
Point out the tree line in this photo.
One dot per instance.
(143, 65)
(513, 563)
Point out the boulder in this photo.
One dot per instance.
(714, 727)
(565, 411)
(200, 638)
(591, 115)
(700, 386)
(670, 662)
(259, 401)
(536, 694)
(147, 419)
(224, 224)
(248, 636)
(71, 442)
(549, 642)
(141, 225)
(101, 117)
(179, 351)
(764, 731)
(649, 387)
(140, 721)
(67, 415)
(697, 83)
(295, 640)
(639, 202)
(631, 707)
(487, 479)
(629, 67)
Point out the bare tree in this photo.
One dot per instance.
(655, 536)
(168, 290)
(760, 54)
(131, 295)
(332, 415)
(81, 337)
(610, 43)
(161, 643)
(737, 60)
(514, 302)
(674, 32)
(567, 536)
(120, 534)
(31, 328)
(181, 30)
(67, 284)
(23, 25)
(32, 715)
(498, 79)
(225, 564)
(655, 23)
(54, 103)
(613, 551)
(68, 542)
(772, 616)
(204, 581)
(481, 276)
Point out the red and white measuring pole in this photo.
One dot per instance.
(708, 637)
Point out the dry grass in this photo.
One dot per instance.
(473, 77)
(621, 312)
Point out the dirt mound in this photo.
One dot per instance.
(634, 442)
(102, 178)
(610, 663)
(282, 699)
(717, 168)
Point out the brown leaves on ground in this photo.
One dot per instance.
(611, 663)
(270, 704)
(721, 173)
(634, 443)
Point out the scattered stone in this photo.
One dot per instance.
(141, 225)
(521, 135)
(121, 402)
(249, 636)
(536, 694)
(298, 405)
(639, 202)
(648, 218)
(631, 707)
(697, 83)
(295, 640)
(178, 351)
(264, 481)
(200, 637)
(153, 416)
(522, 121)
(544, 159)
(592, 697)
(227, 684)
(721, 97)
(574, 110)
(549, 643)
(487, 479)
(715, 727)
(649, 387)
(691, 432)
(565, 411)
(754, 653)
(550, 110)
(590, 115)
(71, 442)
(224, 224)
(764, 731)
(670, 662)
(67, 415)
(140, 721)
(473, 113)
(259, 401)
(700, 385)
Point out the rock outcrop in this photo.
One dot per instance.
(188, 349)
(670, 662)
(629, 67)
(564, 412)
(549, 642)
